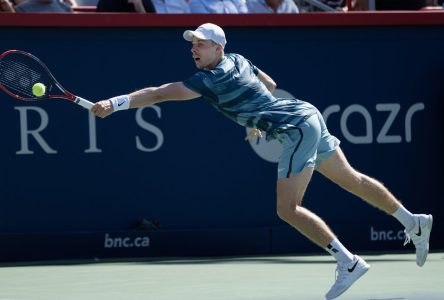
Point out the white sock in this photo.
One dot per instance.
(405, 217)
(339, 252)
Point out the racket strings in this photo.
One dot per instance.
(19, 77)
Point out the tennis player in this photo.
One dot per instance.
(243, 93)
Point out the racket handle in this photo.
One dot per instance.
(84, 103)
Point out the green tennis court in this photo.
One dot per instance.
(391, 277)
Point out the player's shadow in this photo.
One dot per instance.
(290, 259)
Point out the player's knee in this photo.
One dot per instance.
(286, 211)
(350, 181)
(347, 183)
(355, 181)
(282, 213)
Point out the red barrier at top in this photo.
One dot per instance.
(399, 18)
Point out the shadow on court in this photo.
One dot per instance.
(285, 259)
(391, 277)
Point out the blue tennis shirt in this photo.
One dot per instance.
(234, 89)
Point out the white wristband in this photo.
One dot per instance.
(120, 102)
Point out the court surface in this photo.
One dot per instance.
(391, 277)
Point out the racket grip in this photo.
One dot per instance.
(84, 103)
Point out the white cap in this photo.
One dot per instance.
(207, 31)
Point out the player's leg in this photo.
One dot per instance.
(295, 170)
(290, 192)
(418, 226)
(338, 170)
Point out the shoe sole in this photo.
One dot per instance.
(430, 225)
(367, 267)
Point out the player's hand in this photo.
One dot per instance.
(253, 133)
(102, 108)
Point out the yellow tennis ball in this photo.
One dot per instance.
(38, 89)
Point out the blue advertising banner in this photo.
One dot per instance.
(65, 174)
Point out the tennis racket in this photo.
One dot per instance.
(20, 71)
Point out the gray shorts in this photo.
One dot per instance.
(305, 146)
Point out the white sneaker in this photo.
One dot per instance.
(346, 275)
(420, 235)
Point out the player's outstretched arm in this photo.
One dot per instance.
(175, 91)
